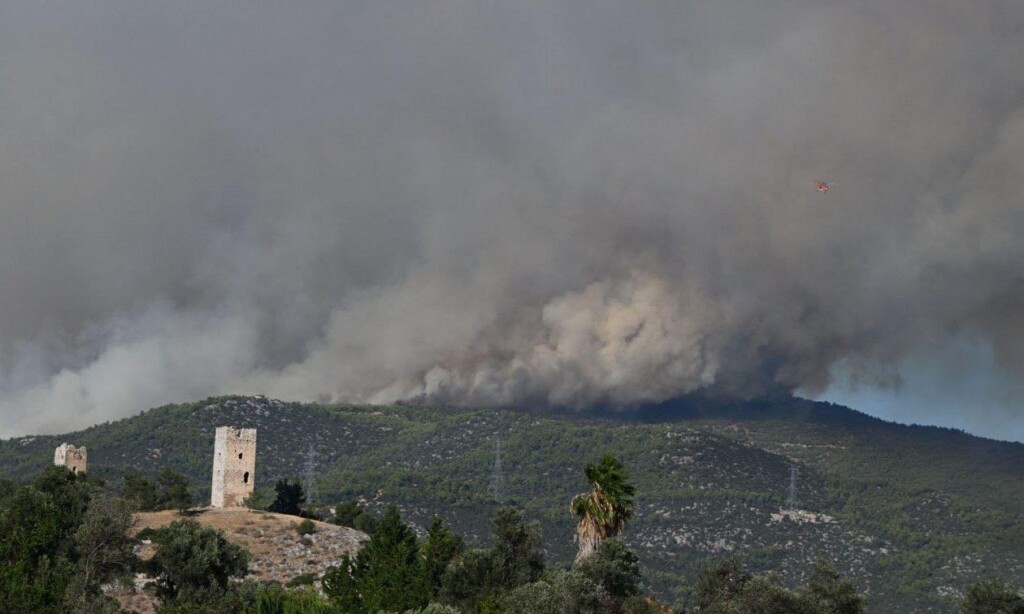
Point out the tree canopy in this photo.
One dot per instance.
(60, 541)
(991, 597)
(387, 573)
(191, 558)
(290, 498)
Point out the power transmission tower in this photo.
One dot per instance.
(497, 490)
(791, 503)
(309, 476)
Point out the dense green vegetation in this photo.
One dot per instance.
(61, 539)
(387, 574)
(911, 515)
(991, 597)
(728, 587)
(192, 561)
(63, 536)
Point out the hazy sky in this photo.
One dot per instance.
(530, 203)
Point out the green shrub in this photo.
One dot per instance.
(352, 514)
(193, 559)
(991, 597)
(305, 579)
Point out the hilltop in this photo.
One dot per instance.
(911, 514)
(279, 553)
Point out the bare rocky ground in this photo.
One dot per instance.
(279, 553)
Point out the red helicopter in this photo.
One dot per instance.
(824, 186)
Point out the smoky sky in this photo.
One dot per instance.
(517, 203)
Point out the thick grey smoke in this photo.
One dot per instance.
(556, 203)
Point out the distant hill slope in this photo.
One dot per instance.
(912, 514)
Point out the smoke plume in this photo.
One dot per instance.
(529, 203)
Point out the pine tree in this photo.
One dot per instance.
(140, 490)
(388, 573)
(440, 547)
(174, 492)
(290, 498)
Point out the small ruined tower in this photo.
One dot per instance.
(71, 457)
(234, 466)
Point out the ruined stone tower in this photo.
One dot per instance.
(71, 457)
(234, 466)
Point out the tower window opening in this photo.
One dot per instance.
(239, 455)
(245, 478)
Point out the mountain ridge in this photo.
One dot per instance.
(911, 513)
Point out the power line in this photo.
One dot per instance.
(791, 503)
(310, 475)
(497, 489)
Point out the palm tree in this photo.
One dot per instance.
(604, 511)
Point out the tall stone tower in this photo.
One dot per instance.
(71, 457)
(234, 466)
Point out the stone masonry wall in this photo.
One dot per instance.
(71, 457)
(234, 466)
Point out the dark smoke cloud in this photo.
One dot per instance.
(475, 202)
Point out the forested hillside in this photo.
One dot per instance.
(911, 514)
